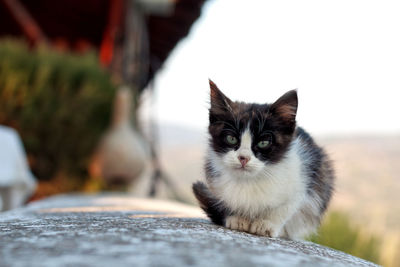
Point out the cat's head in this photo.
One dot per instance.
(246, 137)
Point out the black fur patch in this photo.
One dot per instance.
(214, 209)
(277, 121)
(319, 169)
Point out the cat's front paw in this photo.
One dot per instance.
(237, 223)
(265, 228)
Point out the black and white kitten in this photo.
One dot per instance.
(264, 174)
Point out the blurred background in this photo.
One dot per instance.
(113, 95)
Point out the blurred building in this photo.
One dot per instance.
(134, 36)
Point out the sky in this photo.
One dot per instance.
(342, 56)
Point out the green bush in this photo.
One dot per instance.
(59, 102)
(339, 233)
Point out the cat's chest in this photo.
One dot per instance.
(257, 194)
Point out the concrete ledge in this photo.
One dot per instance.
(118, 230)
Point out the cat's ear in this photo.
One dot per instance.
(286, 106)
(219, 102)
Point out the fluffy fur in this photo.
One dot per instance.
(264, 174)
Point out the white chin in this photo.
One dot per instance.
(242, 171)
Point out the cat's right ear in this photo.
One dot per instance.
(286, 106)
(219, 102)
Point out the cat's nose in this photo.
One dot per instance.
(243, 160)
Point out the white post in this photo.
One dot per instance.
(16, 180)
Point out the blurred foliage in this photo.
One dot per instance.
(339, 233)
(59, 102)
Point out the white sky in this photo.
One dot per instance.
(343, 56)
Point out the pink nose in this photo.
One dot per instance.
(243, 160)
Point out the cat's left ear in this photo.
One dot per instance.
(286, 106)
(219, 101)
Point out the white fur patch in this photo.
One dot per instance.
(306, 220)
(275, 192)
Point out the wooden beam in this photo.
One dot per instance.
(111, 32)
(24, 19)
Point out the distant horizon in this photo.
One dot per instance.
(174, 131)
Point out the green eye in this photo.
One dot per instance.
(231, 140)
(263, 144)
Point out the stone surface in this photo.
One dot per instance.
(115, 230)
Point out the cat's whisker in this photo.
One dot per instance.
(260, 121)
(227, 123)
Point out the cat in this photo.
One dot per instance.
(264, 174)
